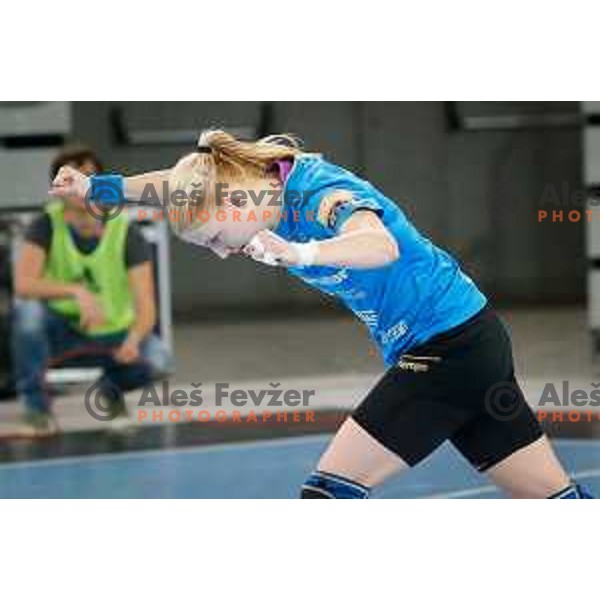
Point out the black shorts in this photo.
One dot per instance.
(458, 386)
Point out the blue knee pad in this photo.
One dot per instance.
(322, 486)
(575, 492)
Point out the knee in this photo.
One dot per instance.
(159, 359)
(324, 486)
(29, 317)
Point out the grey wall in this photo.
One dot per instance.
(478, 193)
(475, 193)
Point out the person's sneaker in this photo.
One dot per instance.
(39, 424)
(115, 409)
(120, 421)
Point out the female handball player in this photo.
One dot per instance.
(449, 358)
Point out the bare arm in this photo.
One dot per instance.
(29, 281)
(364, 243)
(141, 284)
(70, 183)
(135, 186)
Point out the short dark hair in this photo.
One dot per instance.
(74, 154)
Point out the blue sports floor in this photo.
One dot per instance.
(271, 469)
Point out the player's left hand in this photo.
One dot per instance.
(269, 248)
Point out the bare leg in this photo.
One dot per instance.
(357, 456)
(533, 472)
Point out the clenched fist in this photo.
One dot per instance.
(71, 184)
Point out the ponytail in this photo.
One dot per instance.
(220, 159)
(235, 158)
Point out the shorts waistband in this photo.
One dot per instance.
(458, 329)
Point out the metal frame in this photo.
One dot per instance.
(592, 178)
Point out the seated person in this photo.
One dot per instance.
(85, 295)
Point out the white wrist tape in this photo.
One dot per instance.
(261, 255)
(307, 253)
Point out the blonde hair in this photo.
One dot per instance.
(222, 159)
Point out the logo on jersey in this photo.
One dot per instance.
(331, 207)
(337, 278)
(417, 364)
(369, 317)
(394, 333)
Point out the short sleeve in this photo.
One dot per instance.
(139, 250)
(39, 232)
(335, 207)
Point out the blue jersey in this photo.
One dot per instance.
(403, 304)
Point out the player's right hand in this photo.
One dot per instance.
(70, 183)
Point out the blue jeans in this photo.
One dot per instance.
(43, 339)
